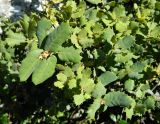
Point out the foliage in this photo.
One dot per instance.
(80, 60)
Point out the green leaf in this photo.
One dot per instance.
(44, 70)
(69, 54)
(58, 37)
(155, 32)
(113, 117)
(107, 77)
(87, 85)
(126, 42)
(134, 25)
(93, 108)
(87, 72)
(118, 99)
(79, 99)
(87, 96)
(79, 70)
(43, 26)
(69, 72)
(29, 64)
(15, 38)
(4, 118)
(61, 77)
(157, 5)
(122, 122)
(91, 14)
(72, 83)
(59, 84)
(135, 69)
(129, 112)
(129, 85)
(32, 28)
(94, 1)
(84, 40)
(99, 90)
(139, 109)
(121, 26)
(108, 34)
(119, 11)
(80, 10)
(98, 29)
(150, 102)
(123, 58)
(25, 23)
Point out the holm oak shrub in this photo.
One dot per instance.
(82, 61)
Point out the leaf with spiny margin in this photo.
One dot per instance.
(59, 84)
(87, 85)
(80, 10)
(69, 72)
(61, 77)
(119, 11)
(79, 70)
(83, 39)
(87, 72)
(121, 26)
(107, 77)
(93, 108)
(135, 69)
(43, 26)
(25, 23)
(108, 34)
(86, 42)
(14, 38)
(69, 54)
(29, 64)
(92, 15)
(155, 32)
(123, 58)
(58, 37)
(129, 112)
(150, 102)
(72, 83)
(32, 28)
(94, 1)
(79, 99)
(99, 90)
(126, 42)
(44, 70)
(117, 98)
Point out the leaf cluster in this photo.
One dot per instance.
(93, 55)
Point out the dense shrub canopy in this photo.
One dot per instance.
(85, 61)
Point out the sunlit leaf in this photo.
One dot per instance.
(44, 70)
(117, 99)
(58, 37)
(126, 42)
(61, 77)
(43, 26)
(99, 90)
(93, 108)
(129, 85)
(150, 103)
(29, 64)
(15, 38)
(69, 54)
(107, 77)
(79, 99)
